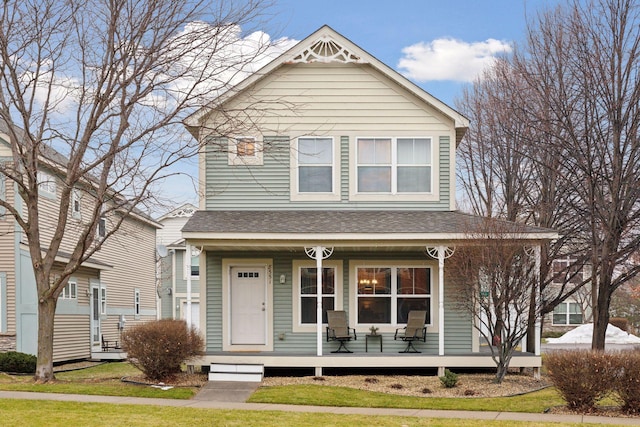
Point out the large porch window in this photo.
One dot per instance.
(385, 295)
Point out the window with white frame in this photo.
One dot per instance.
(315, 165)
(567, 313)
(309, 293)
(102, 227)
(245, 151)
(305, 292)
(567, 271)
(75, 203)
(136, 302)
(70, 291)
(103, 300)
(46, 183)
(394, 165)
(386, 294)
(193, 267)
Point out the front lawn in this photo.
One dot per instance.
(319, 395)
(103, 379)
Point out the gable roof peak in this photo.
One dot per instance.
(326, 47)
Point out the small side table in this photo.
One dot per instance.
(371, 336)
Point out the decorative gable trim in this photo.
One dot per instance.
(326, 50)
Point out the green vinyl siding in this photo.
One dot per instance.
(267, 186)
(458, 326)
(213, 295)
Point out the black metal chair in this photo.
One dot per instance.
(338, 330)
(414, 331)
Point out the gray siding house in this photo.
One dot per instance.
(339, 192)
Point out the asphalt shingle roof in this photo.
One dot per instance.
(346, 221)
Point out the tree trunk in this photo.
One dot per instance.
(46, 313)
(601, 318)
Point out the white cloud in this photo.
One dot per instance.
(449, 59)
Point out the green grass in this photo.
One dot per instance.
(310, 394)
(104, 379)
(21, 413)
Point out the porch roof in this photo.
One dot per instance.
(352, 226)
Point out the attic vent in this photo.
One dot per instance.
(326, 50)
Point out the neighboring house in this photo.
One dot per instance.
(174, 266)
(575, 310)
(344, 168)
(111, 291)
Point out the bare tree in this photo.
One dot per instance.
(508, 171)
(494, 277)
(95, 93)
(583, 60)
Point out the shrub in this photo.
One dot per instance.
(16, 362)
(158, 348)
(581, 376)
(627, 384)
(397, 386)
(449, 380)
(620, 322)
(426, 390)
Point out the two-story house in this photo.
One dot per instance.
(113, 290)
(342, 169)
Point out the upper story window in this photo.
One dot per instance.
(102, 227)
(394, 165)
(245, 151)
(315, 165)
(315, 169)
(46, 183)
(75, 203)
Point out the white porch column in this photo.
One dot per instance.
(318, 253)
(537, 249)
(188, 268)
(441, 253)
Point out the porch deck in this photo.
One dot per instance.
(481, 359)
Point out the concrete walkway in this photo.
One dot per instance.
(201, 402)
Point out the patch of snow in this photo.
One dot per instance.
(582, 335)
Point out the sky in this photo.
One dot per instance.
(439, 45)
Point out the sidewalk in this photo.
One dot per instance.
(423, 413)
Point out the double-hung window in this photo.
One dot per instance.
(567, 313)
(386, 294)
(315, 165)
(394, 166)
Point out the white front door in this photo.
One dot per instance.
(95, 315)
(248, 306)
